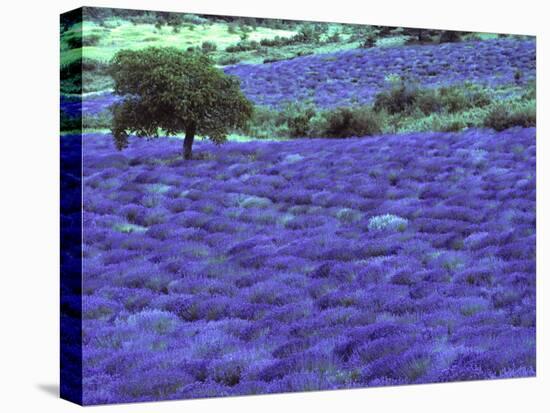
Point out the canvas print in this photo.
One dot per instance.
(253, 206)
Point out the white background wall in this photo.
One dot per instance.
(29, 191)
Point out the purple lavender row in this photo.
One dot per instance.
(91, 104)
(356, 76)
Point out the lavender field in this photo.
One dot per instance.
(257, 206)
(354, 77)
(305, 265)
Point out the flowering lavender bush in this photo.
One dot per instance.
(264, 267)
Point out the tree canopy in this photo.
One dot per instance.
(170, 91)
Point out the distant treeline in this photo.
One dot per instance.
(176, 20)
(100, 15)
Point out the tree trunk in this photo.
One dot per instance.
(188, 142)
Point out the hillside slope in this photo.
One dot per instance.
(309, 264)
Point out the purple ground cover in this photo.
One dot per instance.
(91, 104)
(94, 104)
(355, 76)
(304, 265)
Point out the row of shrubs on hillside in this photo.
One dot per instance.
(312, 35)
(402, 108)
(367, 37)
(307, 33)
(272, 49)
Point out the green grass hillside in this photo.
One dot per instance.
(228, 40)
(101, 42)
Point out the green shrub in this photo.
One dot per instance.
(279, 41)
(530, 92)
(442, 122)
(318, 124)
(428, 101)
(228, 60)
(297, 117)
(266, 123)
(479, 98)
(297, 120)
(406, 97)
(232, 28)
(346, 122)
(308, 33)
(274, 42)
(208, 47)
(399, 98)
(456, 98)
(402, 108)
(243, 46)
(503, 116)
(454, 125)
(92, 65)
